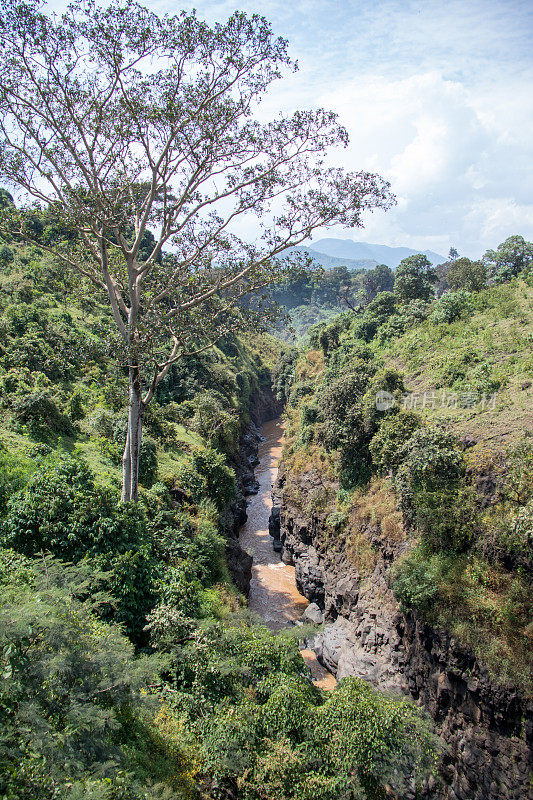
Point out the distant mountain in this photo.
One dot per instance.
(329, 261)
(381, 254)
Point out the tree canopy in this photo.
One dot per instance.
(511, 257)
(119, 122)
(415, 277)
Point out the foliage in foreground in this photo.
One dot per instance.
(83, 716)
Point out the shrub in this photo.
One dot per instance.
(310, 413)
(75, 407)
(360, 739)
(70, 696)
(451, 306)
(219, 428)
(416, 582)
(387, 446)
(432, 492)
(298, 391)
(102, 422)
(328, 337)
(6, 255)
(379, 311)
(14, 473)
(204, 474)
(39, 412)
(61, 511)
(148, 464)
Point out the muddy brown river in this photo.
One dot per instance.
(273, 593)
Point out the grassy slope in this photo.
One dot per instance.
(492, 345)
(30, 285)
(483, 604)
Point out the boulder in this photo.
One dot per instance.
(313, 614)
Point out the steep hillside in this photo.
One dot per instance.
(410, 521)
(475, 374)
(131, 670)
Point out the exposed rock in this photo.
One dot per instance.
(240, 565)
(312, 614)
(486, 727)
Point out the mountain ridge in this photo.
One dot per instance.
(380, 253)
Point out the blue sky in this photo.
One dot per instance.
(436, 96)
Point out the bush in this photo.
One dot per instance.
(416, 582)
(432, 492)
(360, 739)
(61, 511)
(298, 391)
(219, 428)
(342, 409)
(14, 473)
(451, 306)
(283, 373)
(41, 415)
(148, 464)
(204, 474)
(328, 337)
(70, 698)
(75, 407)
(6, 255)
(378, 312)
(387, 446)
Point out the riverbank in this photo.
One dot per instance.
(273, 593)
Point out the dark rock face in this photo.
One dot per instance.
(239, 561)
(264, 407)
(486, 727)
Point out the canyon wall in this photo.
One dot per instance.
(263, 407)
(486, 727)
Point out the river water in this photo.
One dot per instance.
(273, 593)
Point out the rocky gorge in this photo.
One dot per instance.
(485, 726)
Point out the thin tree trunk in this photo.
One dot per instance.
(130, 461)
(126, 467)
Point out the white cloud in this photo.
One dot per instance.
(436, 97)
(460, 173)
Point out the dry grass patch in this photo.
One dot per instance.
(311, 366)
(376, 503)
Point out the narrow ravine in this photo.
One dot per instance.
(273, 593)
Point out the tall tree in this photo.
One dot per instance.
(466, 274)
(379, 279)
(121, 123)
(510, 258)
(415, 277)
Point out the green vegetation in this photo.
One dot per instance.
(416, 414)
(131, 670)
(313, 298)
(134, 135)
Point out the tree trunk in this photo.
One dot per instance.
(130, 459)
